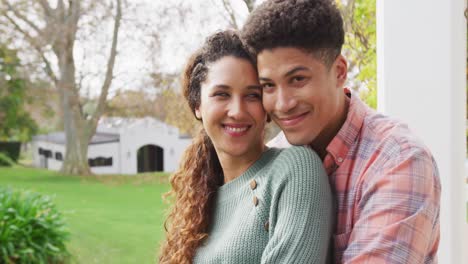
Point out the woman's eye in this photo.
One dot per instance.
(222, 95)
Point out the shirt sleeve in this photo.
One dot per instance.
(301, 215)
(398, 213)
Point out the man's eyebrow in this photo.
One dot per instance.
(291, 72)
(298, 68)
(264, 79)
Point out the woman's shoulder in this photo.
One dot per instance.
(297, 155)
(296, 161)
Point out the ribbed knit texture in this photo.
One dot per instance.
(292, 222)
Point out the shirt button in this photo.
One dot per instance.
(339, 159)
(253, 184)
(255, 200)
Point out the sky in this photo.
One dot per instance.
(138, 53)
(135, 61)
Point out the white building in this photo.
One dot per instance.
(120, 146)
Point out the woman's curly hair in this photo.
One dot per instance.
(195, 183)
(313, 25)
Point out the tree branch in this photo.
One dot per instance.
(22, 17)
(250, 5)
(110, 68)
(61, 10)
(227, 6)
(31, 41)
(45, 5)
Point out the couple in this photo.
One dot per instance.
(357, 187)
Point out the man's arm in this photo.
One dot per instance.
(397, 212)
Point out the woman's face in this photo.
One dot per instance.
(231, 108)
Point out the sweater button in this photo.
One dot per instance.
(255, 200)
(267, 226)
(253, 184)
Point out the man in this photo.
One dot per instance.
(385, 181)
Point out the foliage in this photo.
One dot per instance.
(5, 160)
(178, 112)
(360, 46)
(32, 230)
(165, 103)
(105, 225)
(15, 121)
(136, 104)
(11, 149)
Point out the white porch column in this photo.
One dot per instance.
(421, 80)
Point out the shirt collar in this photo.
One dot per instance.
(339, 147)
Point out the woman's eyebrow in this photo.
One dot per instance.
(254, 87)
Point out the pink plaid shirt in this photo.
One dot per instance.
(387, 190)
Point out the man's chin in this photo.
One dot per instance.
(296, 140)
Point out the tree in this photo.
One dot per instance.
(178, 113)
(170, 105)
(229, 12)
(15, 122)
(360, 46)
(132, 103)
(51, 32)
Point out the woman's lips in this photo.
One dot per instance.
(236, 130)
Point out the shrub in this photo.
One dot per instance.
(11, 149)
(32, 230)
(5, 160)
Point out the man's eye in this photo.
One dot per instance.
(298, 79)
(267, 85)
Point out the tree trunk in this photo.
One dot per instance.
(77, 138)
(77, 133)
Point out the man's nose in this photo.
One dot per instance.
(285, 101)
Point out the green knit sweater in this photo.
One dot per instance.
(278, 211)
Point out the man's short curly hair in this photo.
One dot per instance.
(313, 25)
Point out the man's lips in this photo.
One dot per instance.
(289, 121)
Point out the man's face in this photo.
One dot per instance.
(302, 94)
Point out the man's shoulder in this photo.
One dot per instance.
(390, 139)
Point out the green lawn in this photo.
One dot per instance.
(116, 219)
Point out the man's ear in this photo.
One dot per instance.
(197, 113)
(341, 70)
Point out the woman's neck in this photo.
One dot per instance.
(234, 166)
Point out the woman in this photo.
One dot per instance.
(235, 200)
